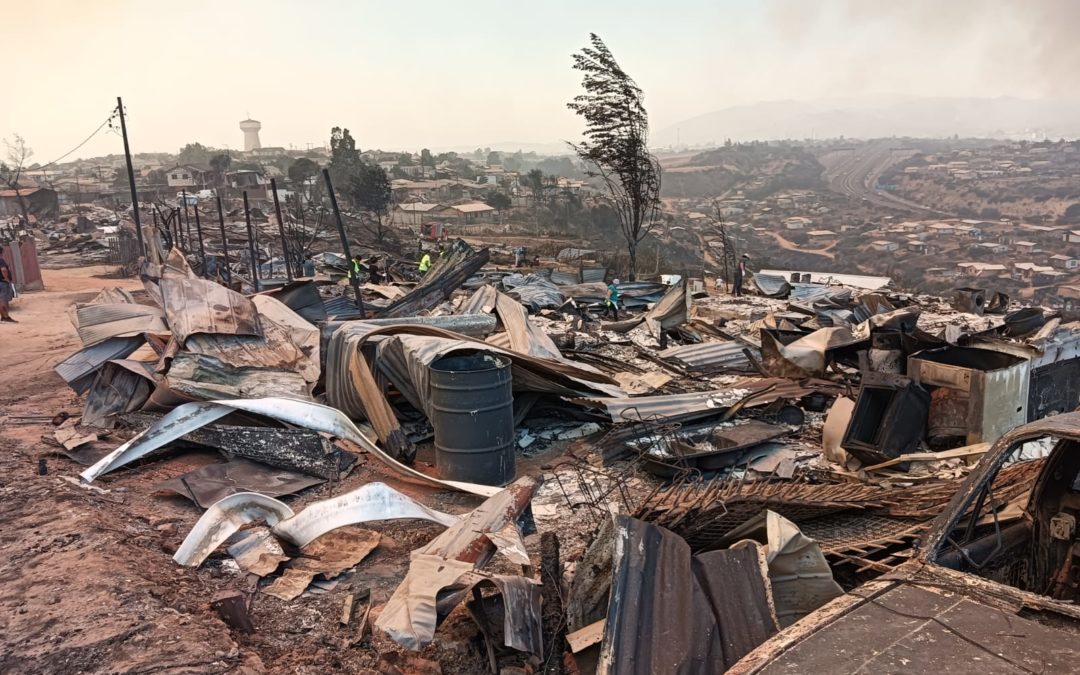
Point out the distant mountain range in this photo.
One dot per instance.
(1003, 117)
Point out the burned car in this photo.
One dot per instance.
(993, 588)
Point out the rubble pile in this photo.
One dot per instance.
(679, 486)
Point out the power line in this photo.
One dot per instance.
(107, 121)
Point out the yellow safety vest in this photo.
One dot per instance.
(425, 263)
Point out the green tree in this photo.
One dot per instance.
(194, 153)
(370, 191)
(426, 159)
(219, 164)
(494, 158)
(344, 158)
(616, 142)
(300, 172)
(499, 201)
(11, 172)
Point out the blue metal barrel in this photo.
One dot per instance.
(472, 410)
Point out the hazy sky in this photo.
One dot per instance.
(461, 74)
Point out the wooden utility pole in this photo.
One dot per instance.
(281, 231)
(131, 178)
(251, 245)
(344, 241)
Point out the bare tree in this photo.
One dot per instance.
(304, 225)
(616, 142)
(11, 170)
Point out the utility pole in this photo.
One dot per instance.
(344, 241)
(131, 178)
(251, 245)
(187, 216)
(281, 231)
(224, 242)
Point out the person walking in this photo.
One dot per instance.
(611, 304)
(425, 263)
(741, 270)
(7, 290)
(357, 267)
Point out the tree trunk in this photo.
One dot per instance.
(631, 248)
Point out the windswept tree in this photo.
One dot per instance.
(300, 174)
(616, 142)
(344, 159)
(500, 201)
(11, 170)
(370, 191)
(219, 164)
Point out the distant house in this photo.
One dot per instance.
(977, 269)
(942, 229)
(1071, 237)
(695, 216)
(40, 202)
(821, 235)
(1064, 262)
(884, 246)
(968, 231)
(1027, 247)
(414, 214)
(797, 223)
(921, 247)
(991, 247)
(1029, 271)
(246, 179)
(1068, 292)
(186, 176)
(472, 212)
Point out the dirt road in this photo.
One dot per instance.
(789, 245)
(87, 583)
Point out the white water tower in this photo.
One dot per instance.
(251, 134)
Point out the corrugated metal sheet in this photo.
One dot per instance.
(673, 612)
(772, 285)
(709, 355)
(303, 298)
(535, 292)
(96, 323)
(342, 308)
(79, 369)
(593, 274)
(564, 278)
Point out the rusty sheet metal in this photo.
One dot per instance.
(482, 301)
(210, 484)
(411, 616)
(756, 391)
(98, 322)
(80, 369)
(121, 386)
(525, 336)
(225, 518)
(191, 416)
(891, 628)
(301, 332)
(808, 356)
(301, 297)
(194, 306)
(673, 612)
(710, 356)
(199, 377)
(274, 350)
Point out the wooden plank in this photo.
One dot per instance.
(966, 451)
(587, 636)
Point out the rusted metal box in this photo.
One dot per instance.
(976, 395)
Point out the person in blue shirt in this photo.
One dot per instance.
(611, 303)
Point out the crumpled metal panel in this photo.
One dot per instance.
(673, 612)
(97, 323)
(223, 519)
(771, 285)
(210, 484)
(121, 386)
(562, 278)
(533, 291)
(198, 306)
(709, 355)
(525, 336)
(79, 369)
(303, 298)
(672, 310)
(197, 376)
(371, 502)
(190, 416)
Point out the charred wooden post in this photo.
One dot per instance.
(281, 231)
(344, 242)
(202, 248)
(251, 245)
(227, 275)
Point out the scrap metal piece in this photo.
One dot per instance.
(328, 556)
(186, 418)
(371, 502)
(212, 483)
(80, 369)
(98, 322)
(202, 377)
(673, 612)
(445, 276)
(525, 336)
(410, 616)
(195, 305)
(256, 551)
(223, 519)
(121, 386)
(672, 310)
(888, 420)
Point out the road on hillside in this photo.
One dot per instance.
(856, 174)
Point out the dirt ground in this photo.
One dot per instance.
(87, 582)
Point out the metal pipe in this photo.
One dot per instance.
(224, 243)
(202, 248)
(251, 245)
(131, 178)
(187, 216)
(281, 231)
(344, 241)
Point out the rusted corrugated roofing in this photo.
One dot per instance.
(199, 306)
(96, 323)
(709, 355)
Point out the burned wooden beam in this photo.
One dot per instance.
(294, 449)
(445, 276)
